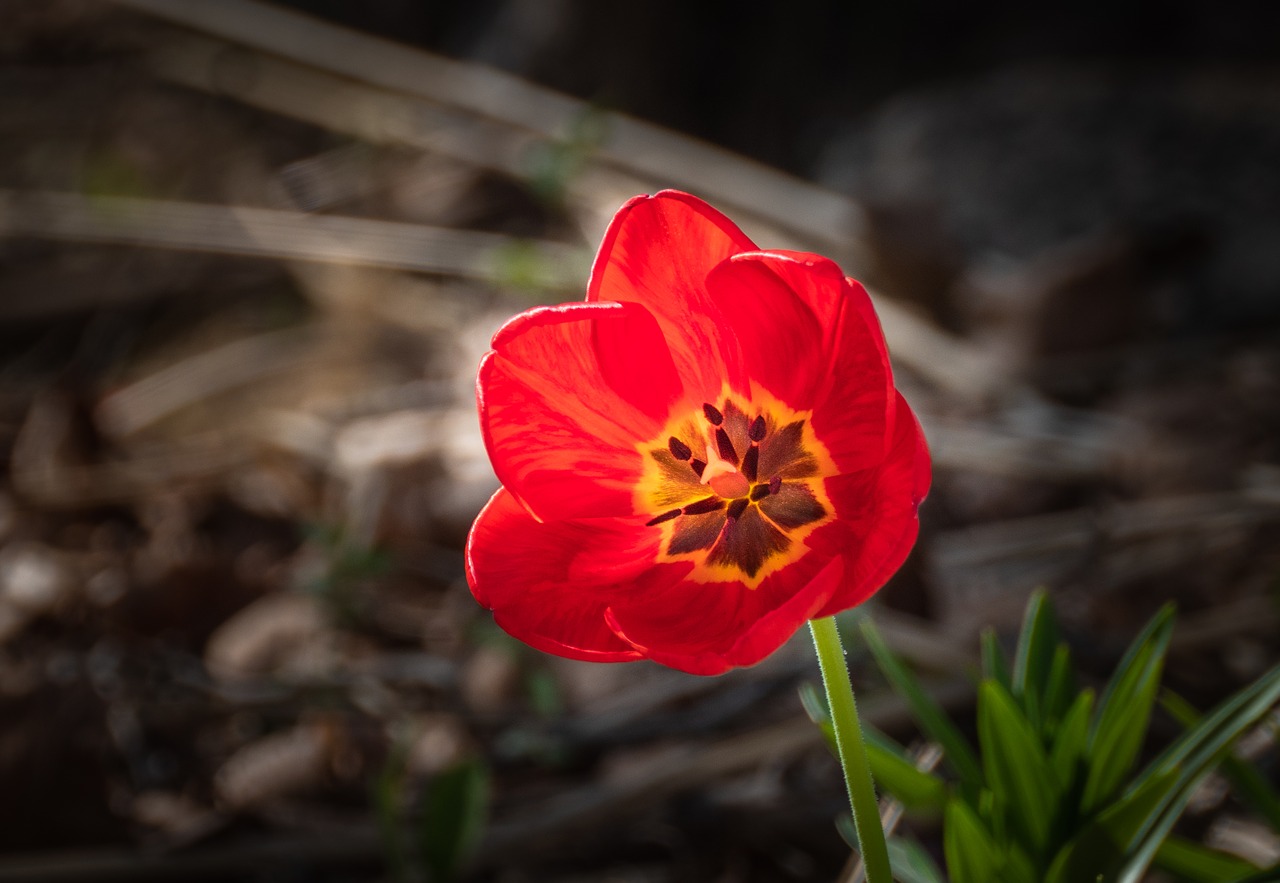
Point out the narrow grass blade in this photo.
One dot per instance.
(457, 805)
(1018, 772)
(1199, 864)
(971, 852)
(911, 864)
(1250, 785)
(929, 716)
(1193, 756)
(1124, 712)
(994, 665)
(1034, 656)
(1070, 738)
(1060, 689)
(919, 792)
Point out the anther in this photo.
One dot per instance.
(775, 484)
(736, 508)
(756, 432)
(751, 463)
(665, 516)
(726, 447)
(710, 504)
(759, 492)
(698, 466)
(679, 449)
(713, 414)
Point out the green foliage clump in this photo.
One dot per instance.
(1049, 794)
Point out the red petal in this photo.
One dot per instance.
(707, 628)
(565, 397)
(877, 513)
(783, 343)
(809, 335)
(549, 584)
(762, 638)
(658, 251)
(854, 416)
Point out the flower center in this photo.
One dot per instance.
(735, 487)
(730, 484)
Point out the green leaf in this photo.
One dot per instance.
(1127, 820)
(544, 692)
(1193, 755)
(910, 862)
(985, 804)
(457, 804)
(1124, 838)
(1250, 784)
(974, 852)
(918, 791)
(1103, 842)
(1060, 688)
(1034, 655)
(892, 769)
(1124, 712)
(971, 853)
(1222, 726)
(848, 833)
(994, 665)
(1024, 782)
(1140, 856)
(907, 859)
(1199, 864)
(815, 705)
(1266, 875)
(1070, 738)
(929, 716)
(389, 809)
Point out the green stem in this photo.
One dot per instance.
(853, 754)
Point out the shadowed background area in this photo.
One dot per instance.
(250, 255)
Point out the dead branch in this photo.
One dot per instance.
(280, 234)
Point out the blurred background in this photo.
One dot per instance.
(250, 255)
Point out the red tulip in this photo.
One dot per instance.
(697, 460)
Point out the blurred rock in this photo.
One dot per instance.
(177, 815)
(263, 637)
(386, 440)
(385, 461)
(583, 683)
(35, 581)
(468, 480)
(490, 678)
(34, 578)
(279, 765)
(441, 742)
(1248, 838)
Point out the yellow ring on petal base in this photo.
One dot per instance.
(735, 486)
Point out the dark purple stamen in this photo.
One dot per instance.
(713, 414)
(665, 516)
(759, 492)
(710, 504)
(775, 484)
(736, 508)
(751, 463)
(679, 449)
(698, 466)
(756, 432)
(726, 447)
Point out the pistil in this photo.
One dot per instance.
(730, 485)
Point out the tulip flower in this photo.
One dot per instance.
(701, 457)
